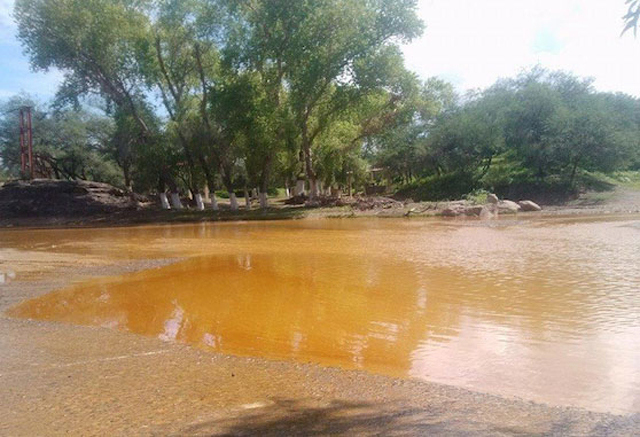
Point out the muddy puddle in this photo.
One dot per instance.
(546, 310)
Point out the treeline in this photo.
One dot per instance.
(539, 132)
(230, 95)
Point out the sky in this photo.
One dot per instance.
(470, 43)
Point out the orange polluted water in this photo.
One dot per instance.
(547, 310)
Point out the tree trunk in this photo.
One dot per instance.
(164, 201)
(233, 201)
(173, 187)
(264, 200)
(308, 163)
(247, 198)
(573, 171)
(175, 200)
(199, 202)
(126, 170)
(214, 201)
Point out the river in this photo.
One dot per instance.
(544, 309)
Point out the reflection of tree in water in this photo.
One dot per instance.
(358, 312)
(351, 310)
(336, 299)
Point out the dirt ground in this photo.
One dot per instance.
(59, 379)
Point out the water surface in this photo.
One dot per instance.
(547, 310)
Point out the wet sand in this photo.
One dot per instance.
(62, 379)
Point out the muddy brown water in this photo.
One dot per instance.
(543, 309)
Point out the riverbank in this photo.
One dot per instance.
(59, 379)
(99, 207)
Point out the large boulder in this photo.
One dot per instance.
(493, 199)
(487, 213)
(456, 210)
(475, 210)
(453, 211)
(508, 207)
(528, 205)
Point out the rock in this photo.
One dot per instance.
(508, 207)
(456, 209)
(475, 210)
(453, 211)
(492, 198)
(528, 205)
(376, 202)
(487, 214)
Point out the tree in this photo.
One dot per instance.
(68, 144)
(401, 147)
(465, 141)
(632, 16)
(97, 44)
(101, 47)
(330, 53)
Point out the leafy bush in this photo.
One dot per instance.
(449, 186)
(477, 196)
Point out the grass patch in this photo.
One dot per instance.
(516, 184)
(627, 179)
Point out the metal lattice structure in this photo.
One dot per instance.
(26, 142)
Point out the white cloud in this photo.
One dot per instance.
(473, 43)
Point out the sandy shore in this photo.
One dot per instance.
(61, 379)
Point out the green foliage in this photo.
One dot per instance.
(478, 196)
(450, 186)
(69, 144)
(401, 146)
(97, 44)
(541, 131)
(258, 93)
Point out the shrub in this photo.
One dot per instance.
(449, 186)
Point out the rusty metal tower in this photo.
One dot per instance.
(26, 142)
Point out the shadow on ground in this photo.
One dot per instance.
(289, 417)
(302, 418)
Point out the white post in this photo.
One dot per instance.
(164, 201)
(313, 188)
(214, 202)
(247, 199)
(264, 201)
(233, 201)
(175, 201)
(299, 187)
(287, 192)
(199, 202)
